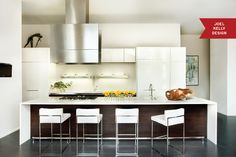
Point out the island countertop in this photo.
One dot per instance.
(201, 114)
(116, 100)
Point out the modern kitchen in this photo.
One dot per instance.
(114, 78)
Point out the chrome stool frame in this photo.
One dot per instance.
(170, 118)
(53, 116)
(127, 116)
(89, 116)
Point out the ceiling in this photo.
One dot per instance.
(185, 12)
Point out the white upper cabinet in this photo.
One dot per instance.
(129, 55)
(178, 54)
(150, 53)
(118, 55)
(112, 55)
(36, 55)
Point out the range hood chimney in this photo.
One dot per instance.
(76, 41)
(77, 11)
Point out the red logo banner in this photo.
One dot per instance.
(216, 28)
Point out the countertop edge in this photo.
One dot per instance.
(104, 101)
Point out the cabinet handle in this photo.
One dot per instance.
(32, 90)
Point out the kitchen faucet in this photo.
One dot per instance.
(151, 90)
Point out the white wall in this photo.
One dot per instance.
(140, 34)
(88, 85)
(218, 73)
(196, 46)
(231, 80)
(10, 52)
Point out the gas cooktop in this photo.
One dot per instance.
(78, 97)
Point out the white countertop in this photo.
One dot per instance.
(116, 101)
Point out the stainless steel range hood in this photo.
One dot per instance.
(75, 41)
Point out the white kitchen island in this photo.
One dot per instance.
(194, 106)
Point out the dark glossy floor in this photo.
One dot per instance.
(194, 148)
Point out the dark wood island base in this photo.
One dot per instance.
(195, 120)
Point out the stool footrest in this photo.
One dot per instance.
(61, 134)
(127, 134)
(127, 154)
(92, 134)
(52, 138)
(87, 154)
(160, 137)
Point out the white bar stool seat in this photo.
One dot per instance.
(55, 119)
(89, 116)
(53, 116)
(127, 116)
(169, 118)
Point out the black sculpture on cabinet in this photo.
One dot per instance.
(31, 39)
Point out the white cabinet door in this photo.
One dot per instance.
(178, 54)
(129, 55)
(35, 80)
(152, 53)
(162, 67)
(112, 55)
(155, 72)
(153, 67)
(35, 72)
(178, 67)
(178, 75)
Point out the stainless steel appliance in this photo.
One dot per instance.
(78, 97)
(76, 41)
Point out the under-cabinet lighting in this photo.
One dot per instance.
(118, 76)
(76, 76)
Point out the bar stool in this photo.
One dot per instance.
(169, 118)
(53, 116)
(89, 116)
(127, 116)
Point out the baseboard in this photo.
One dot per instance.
(221, 114)
(9, 132)
(224, 115)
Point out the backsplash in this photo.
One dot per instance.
(95, 77)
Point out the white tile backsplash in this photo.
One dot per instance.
(96, 84)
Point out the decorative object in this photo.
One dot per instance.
(119, 93)
(31, 39)
(60, 86)
(192, 70)
(5, 70)
(179, 94)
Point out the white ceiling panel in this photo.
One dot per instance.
(185, 12)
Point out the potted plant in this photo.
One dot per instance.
(60, 86)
